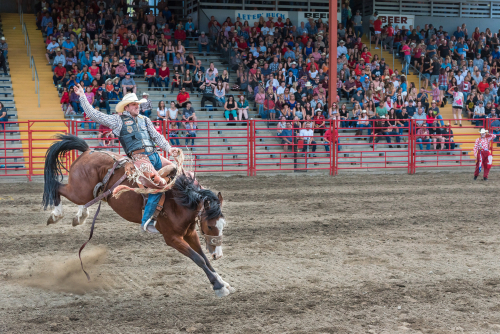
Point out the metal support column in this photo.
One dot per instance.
(332, 53)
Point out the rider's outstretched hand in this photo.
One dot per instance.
(174, 151)
(79, 90)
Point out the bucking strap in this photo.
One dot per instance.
(105, 194)
(159, 207)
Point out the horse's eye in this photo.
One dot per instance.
(210, 228)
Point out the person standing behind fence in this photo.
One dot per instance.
(482, 154)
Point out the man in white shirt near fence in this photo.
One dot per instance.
(306, 134)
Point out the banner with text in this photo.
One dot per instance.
(324, 16)
(254, 15)
(397, 20)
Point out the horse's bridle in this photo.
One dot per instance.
(212, 240)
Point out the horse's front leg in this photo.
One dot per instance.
(184, 248)
(194, 241)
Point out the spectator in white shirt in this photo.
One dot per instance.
(341, 49)
(281, 89)
(307, 134)
(272, 81)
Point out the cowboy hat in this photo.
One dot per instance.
(308, 84)
(483, 131)
(127, 99)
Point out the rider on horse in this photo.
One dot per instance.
(138, 137)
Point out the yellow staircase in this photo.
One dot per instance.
(25, 98)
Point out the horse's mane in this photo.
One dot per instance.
(189, 194)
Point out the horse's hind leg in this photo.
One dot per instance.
(56, 214)
(81, 215)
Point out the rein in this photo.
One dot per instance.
(209, 239)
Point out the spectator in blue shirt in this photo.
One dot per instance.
(68, 46)
(289, 53)
(86, 60)
(496, 53)
(459, 33)
(287, 136)
(45, 21)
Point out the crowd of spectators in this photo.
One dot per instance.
(281, 67)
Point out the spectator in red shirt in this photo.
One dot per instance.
(163, 75)
(377, 26)
(59, 73)
(150, 76)
(389, 40)
(182, 98)
(483, 85)
(180, 35)
(242, 45)
(124, 41)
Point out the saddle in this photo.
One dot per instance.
(137, 170)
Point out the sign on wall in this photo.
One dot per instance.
(254, 15)
(399, 20)
(324, 16)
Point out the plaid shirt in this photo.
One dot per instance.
(146, 105)
(301, 83)
(114, 122)
(442, 81)
(274, 67)
(159, 59)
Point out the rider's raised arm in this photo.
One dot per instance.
(111, 121)
(157, 138)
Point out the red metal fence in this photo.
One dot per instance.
(256, 146)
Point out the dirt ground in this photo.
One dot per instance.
(307, 254)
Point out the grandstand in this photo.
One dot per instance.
(221, 145)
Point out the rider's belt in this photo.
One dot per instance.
(147, 151)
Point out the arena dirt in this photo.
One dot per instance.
(346, 254)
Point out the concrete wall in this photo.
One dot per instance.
(449, 23)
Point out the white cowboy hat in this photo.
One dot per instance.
(308, 84)
(483, 131)
(127, 99)
(363, 111)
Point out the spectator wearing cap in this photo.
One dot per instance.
(145, 108)
(358, 24)
(58, 58)
(189, 28)
(86, 60)
(128, 84)
(51, 50)
(101, 99)
(68, 46)
(59, 73)
(203, 42)
(307, 135)
(274, 66)
(478, 62)
(349, 88)
(3, 46)
(121, 70)
(341, 49)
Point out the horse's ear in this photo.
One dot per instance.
(219, 195)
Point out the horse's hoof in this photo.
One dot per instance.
(231, 289)
(222, 292)
(51, 220)
(76, 222)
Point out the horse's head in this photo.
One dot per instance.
(212, 223)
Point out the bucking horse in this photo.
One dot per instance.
(95, 174)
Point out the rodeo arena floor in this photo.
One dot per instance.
(308, 254)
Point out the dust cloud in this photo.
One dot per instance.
(64, 273)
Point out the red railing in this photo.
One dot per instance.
(258, 146)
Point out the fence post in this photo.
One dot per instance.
(30, 152)
(332, 150)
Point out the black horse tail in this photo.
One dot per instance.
(54, 166)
